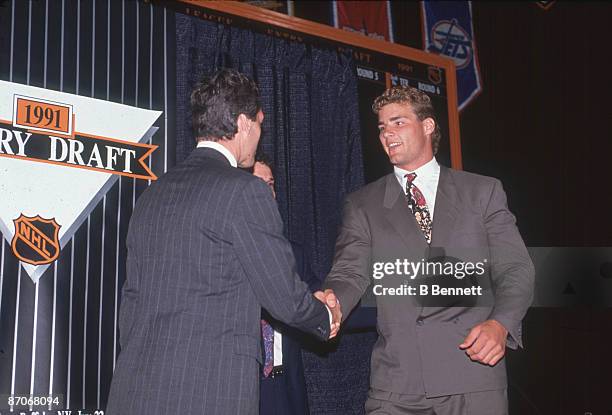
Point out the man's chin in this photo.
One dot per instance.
(246, 164)
(396, 161)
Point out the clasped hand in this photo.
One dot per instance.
(328, 298)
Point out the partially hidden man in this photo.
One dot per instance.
(206, 252)
(432, 358)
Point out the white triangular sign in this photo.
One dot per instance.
(59, 155)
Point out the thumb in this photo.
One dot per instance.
(471, 338)
(319, 295)
(330, 299)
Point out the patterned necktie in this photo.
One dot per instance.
(418, 206)
(268, 337)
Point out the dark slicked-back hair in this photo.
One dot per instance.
(261, 157)
(420, 103)
(217, 101)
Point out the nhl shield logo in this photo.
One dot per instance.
(36, 240)
(434, 74)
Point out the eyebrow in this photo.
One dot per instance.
(393, 119)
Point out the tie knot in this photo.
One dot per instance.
(410, 177)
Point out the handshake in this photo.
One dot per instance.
(328, 297)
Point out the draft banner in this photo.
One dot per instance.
(448, 30)
(59, 155)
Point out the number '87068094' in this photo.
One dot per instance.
(10, 401)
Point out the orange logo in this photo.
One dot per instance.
(35, 240)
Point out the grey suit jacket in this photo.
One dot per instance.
(205, 253)
(417, 350)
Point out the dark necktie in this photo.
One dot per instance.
(268, 337)
(418, 206)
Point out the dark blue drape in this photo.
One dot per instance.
(311, 126)
(311, 131)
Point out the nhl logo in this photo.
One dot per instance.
(434, 74)
(36, 240)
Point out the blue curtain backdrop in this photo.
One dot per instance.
(311, 127)
(311, 132)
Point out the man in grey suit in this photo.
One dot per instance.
(205, 253)
(425, 225)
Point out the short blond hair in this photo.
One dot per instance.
(420, 103)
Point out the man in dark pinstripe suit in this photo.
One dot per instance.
(205, 253)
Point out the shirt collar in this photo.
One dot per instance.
(426, 171)
(221, 149)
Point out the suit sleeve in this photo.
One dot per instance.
(512, 270)
(350, 273)
(129, 292)
(267, 260)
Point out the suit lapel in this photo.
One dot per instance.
(445, 214)
(400, 218)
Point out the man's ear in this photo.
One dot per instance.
(243, 122)
(429, 125)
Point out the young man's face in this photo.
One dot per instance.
(264, 173)
(405, 139)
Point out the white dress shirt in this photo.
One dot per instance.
(428, 176)
(278, 348)
(221, 149)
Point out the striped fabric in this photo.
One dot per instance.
(205, 253)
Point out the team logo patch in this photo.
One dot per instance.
(36, 239)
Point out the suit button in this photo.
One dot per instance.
(420, 322)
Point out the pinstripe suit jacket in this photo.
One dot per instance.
(205, 253)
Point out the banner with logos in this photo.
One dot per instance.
(448, 30)
(370, 18)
